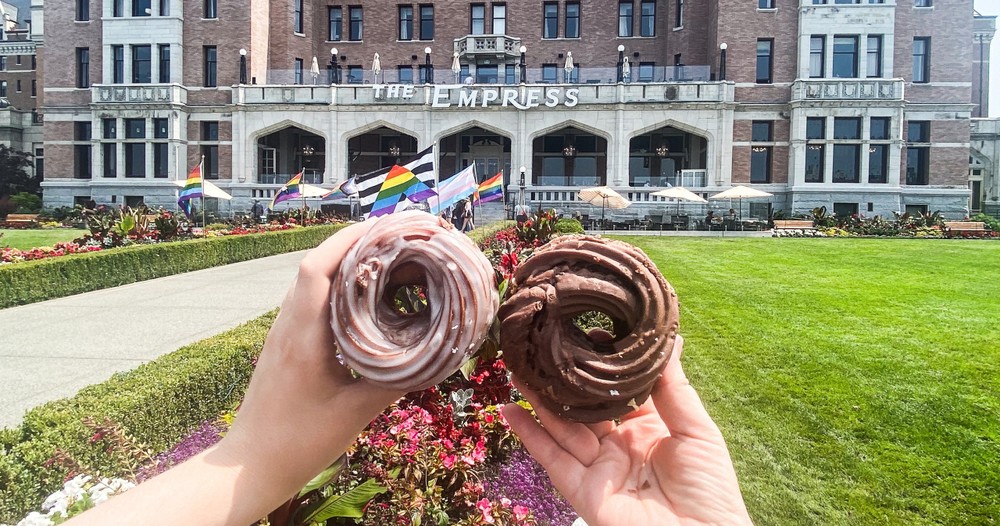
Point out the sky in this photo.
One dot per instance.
(992, 7)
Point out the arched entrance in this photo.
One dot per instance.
(488, 150)
(379, 148)
(667, 157)
(569, 157)
(284, 153)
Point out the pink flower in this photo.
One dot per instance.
(489, 418)
(504, 501)
(484, 506)
(520, 512)
(448, 461)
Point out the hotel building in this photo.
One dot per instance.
(859, 106)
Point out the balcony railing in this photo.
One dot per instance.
(848, 89)
(490, 45)
(309, 177)
(139, 93)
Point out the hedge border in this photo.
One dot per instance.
(32, 281)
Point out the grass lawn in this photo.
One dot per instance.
(25, 239)
(856, 381)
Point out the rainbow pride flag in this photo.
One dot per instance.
(193, 189)
(291, 190)
(400, 183)
(489, 190)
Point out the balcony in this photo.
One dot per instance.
(139, 94)
(309, 177)
(848, 89)
(472, 47)
(283, 94)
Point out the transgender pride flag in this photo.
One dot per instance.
(193, 189)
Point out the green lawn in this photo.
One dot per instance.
(856, 381)
(25, 239)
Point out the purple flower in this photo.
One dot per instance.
(525, 483)
(205, 436)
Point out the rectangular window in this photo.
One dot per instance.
(765, 4)
(335, 15)
(646, 71)
(762, 131)
(142, 7)
(210, 130)
(356, 31)
(647, 18)
(82, 161)
(118, 8)
(210, 73)
(298, 71)
(164, 71)
(487, 75)
(82, 10)
(847, 128)
(477, 19)
(356, 75)
(34, 88)
(572, 29)
(499, 19)
(625, 19)
(814, 163)
(110, 151)
(297, 17)
(549, 73)
(17, 85)
(679, 12)
(426, 22)
(923, 3)
(921, 59)
(135, 128)
(817, 56)
(846, 163)
(160, 160)
(845, 57)
(879, 128)
(845, 209)
(765, 50)
(160, 129)
(509, 74)
(3, 63)
(406, 22)
(211, 154)
(874, 56)
(550, 21)
(110, 128)
(82, 131)
(118, 64)
(405, 74)
(878, 163)
(135, 159)
(83, 67)
(164, 7)
(3, 88)
(142, 66)
(760, 164)
(211, 9)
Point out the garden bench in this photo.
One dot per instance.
(793, 224)
(22, 218)
(964, 226)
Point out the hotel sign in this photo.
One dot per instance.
(479, 97)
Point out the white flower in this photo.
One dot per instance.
(35, 519)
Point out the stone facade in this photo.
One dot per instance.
(672, 121)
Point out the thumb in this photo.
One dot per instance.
(677, 402)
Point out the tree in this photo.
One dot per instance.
(14, 176)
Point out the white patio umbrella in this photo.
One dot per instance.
(569, 67)
(626, 69)
(680, 194)
(456, 65)
(208, 188)
(741, 193)
(606, 197)
(314, 69)
(376, 66)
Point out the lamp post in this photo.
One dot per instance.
(243, 66)
(521, 209)
(621, 63)
(722, 60)
(524, 78)
(334, 66)
(429, 70)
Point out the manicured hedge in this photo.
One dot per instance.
(158, 404)
(40, 280)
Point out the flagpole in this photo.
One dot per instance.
(201, 170)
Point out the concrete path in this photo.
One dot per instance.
(52, 349)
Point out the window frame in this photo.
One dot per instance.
(645, 18)
(137, 5)
(500, 8)
(141, 64)
(298, 16)
(210, 9)
(854, 54)
(473, 19)
(678, 15)
(163, 63)
(210, 66)
(426, 23)
(298, 71)
(117, 64)
(626, 23)
(335, 24)
(550, 20)
(924, 58)
(770, 61)
(877, 56)
(356, 32)
(405, 28)
(83, 67)
(814, 53)
(82, 11)
(572, 24)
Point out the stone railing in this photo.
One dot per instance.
(139, 94)
(493, 45)
(283, 95)
(848, 89)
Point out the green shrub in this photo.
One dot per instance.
(27, 203)
(991, 222)
(44, 279)
(158, 404)
(569, 226)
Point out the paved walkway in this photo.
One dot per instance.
(52, 349)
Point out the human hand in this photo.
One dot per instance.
(303, 408)
(665, 463)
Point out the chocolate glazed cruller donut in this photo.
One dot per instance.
(588, 378)
(412, 351)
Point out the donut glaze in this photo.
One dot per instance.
(412, 351)
(589, 377)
